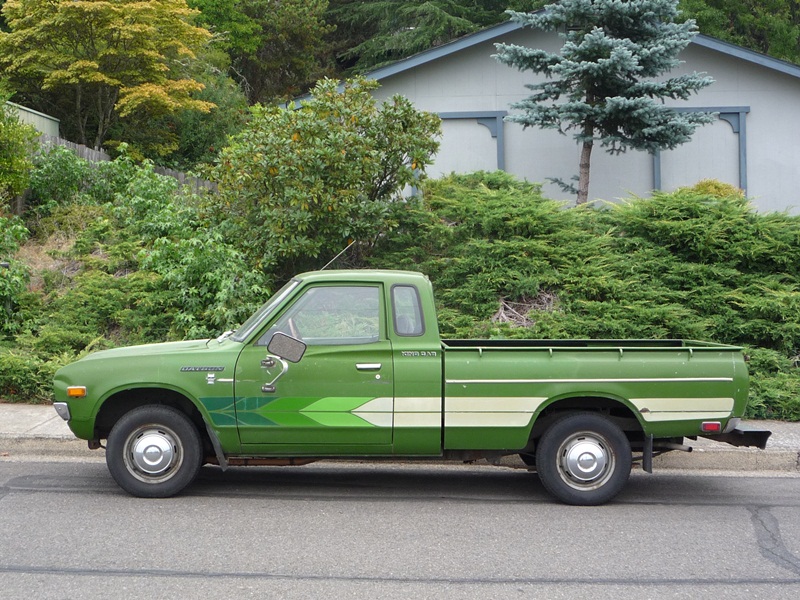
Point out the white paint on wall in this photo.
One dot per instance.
(471, 80)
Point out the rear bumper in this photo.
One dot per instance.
(742, 435)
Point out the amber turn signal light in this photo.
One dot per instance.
(76, 391)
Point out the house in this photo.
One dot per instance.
(44, 124)
(754, 144)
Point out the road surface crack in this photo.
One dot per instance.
(770, 541)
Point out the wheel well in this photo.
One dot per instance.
(613, 410)
(122, 402)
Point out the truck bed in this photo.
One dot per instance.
(593, 344)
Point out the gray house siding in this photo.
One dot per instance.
(43, 123)
(753, 145)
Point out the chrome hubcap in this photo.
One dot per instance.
(153, 453)
(585, 461)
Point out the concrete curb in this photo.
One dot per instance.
(18, 446)
(700, 459)
(743, 459)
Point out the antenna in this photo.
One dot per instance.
(333, 260)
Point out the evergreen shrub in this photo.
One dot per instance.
(697, 263)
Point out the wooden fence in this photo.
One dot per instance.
(82, 151)
(196, 184)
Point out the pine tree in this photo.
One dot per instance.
(603, 84)
(372, 33)
(768, 26)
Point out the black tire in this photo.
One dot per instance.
(583, 459)
(154, 451)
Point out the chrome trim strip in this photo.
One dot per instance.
(660, 417)
(643, 380)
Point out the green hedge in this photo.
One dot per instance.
(698, 263)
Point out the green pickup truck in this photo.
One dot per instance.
(349, 364)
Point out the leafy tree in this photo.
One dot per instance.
(768, 26)
(298, 183)
(374, 32)
(276, 47)
(602, 84)
(186, 138)
(17, 143)
(235, 31)
(104, 59)
(201, 136)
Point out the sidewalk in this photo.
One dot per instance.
(37, 430)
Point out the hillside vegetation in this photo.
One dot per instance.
(116, 254)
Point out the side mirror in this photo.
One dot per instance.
(286, 347)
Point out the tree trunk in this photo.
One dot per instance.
(583, 181)
(79, 118)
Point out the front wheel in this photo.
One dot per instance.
(154, 451)
(584, 459)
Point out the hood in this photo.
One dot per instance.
(147, 349)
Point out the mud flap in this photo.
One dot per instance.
(647, 454)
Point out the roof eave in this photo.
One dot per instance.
(497, 31)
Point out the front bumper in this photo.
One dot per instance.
(63, 410)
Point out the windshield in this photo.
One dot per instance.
(262, 313)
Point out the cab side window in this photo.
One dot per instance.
(406, 311)
(331, 315)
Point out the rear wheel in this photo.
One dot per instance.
(583, 459)
(154, 451)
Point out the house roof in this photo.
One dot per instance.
(497, 31)
(25, 109)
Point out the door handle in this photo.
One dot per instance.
(368, 366)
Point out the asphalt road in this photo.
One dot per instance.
(333, 530)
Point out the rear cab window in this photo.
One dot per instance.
(407, 311)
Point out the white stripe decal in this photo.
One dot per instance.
(686, 405)
(492, 405)
(379, 419)
(410, 419)
(504, 419)
(429, 404)
(377, 411)
(379, 405)
(684, 416)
